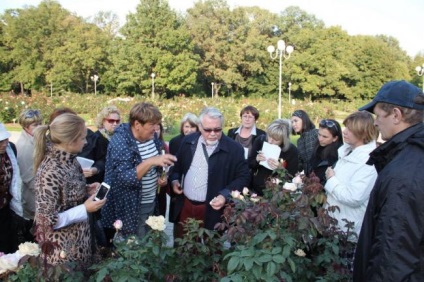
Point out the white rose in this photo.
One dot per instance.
(300, 253)
(9, 262)
(245, 191)
(290, 186)
(62, 254)
(156, 222)
(235, 194)
(254, 198)
(30, 249)
(297, 180)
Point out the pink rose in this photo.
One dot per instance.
(118, 224)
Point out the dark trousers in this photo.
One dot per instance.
(190, 209)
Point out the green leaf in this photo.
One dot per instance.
(247, 253)
(276, 250)
(278, 259)
(271, 269)
(248, 263)
(233, 264)
(265, 258)
(292, 265)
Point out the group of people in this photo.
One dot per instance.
(377, 188)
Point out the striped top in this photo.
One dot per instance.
(150, 179)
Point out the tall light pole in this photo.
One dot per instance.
(212, 88)
(290, 92)
(153, 84)
(281, 51)
(420, 72)
(95, 78)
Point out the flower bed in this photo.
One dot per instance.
(286, 235)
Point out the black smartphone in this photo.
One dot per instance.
(102, 191)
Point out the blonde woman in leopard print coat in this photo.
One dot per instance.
(62, 196)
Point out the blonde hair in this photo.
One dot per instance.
(104, 113)
(280, 129)
(64, 129)
(361, 124)
(30, 116)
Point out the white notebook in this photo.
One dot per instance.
(270, 151)
(85, 163)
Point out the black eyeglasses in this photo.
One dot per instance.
(32, 113)
(328, 123)
(209, 130)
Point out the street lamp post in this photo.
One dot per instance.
(95, 78)
(420, 72)
(281, 51)
(153, 84)
(290, 92)
(212, 88)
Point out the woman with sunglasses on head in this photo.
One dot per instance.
(303, 126)
(325, 154)
(277, 133)
(350, 183)
(29, 119)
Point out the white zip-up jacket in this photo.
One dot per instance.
(350, 187)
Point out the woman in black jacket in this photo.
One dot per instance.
(325, 155)
(278, 133)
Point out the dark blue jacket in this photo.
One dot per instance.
(124, 198)
(227, 171)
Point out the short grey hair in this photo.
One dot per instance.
(213, 113)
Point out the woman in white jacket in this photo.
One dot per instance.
(350, 183)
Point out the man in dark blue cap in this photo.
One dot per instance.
(391, 242)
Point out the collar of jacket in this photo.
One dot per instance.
(124, 129)
(383, 154)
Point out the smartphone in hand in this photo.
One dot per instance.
(102, 191)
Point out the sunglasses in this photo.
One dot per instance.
(111, 120)
(209, 130)
(297, 114)
(328, 123)
(32, 113)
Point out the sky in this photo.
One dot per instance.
(400, 19)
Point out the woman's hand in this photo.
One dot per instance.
(273, 163)
(89, 172)
(92, 188)
(162, 181)
(93, 206)
(260, 157)
(329, 173)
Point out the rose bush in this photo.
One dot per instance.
(282, 236)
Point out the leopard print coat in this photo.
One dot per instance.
(59, 186)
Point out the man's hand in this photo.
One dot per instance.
(218, 202)
(176, 187)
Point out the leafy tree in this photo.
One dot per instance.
(154, 41)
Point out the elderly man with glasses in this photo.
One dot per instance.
(210, 165)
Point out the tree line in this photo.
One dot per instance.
(208, 48)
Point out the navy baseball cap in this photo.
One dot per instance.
(396, 92)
